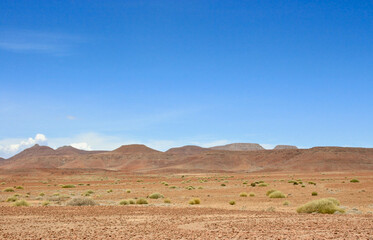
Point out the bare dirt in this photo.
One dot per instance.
(258, 217)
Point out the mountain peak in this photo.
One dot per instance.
(135, 148)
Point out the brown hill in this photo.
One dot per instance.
(188, 150)
(280, 147)
(141, 159)
(134, 148)
(239, 147)
(34, 151)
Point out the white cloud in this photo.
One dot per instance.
(9, 147)
(82, 146)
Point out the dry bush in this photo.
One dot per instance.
(155, 196)
(270, 191)
(21, 203)
(232, 202)
(68, 186)
(8, 190)
(194, 201)
(167, 200)
(252, 194)
(243, 194)
(141, 201)
(323, 205)
(277, 194)
(81, 202)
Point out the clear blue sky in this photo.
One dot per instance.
(187, 72)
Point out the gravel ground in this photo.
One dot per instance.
(194, 222)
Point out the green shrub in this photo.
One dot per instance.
(253, 184)
(167, 200)
(323, 205)
(42, 194)
(81, 202)
(314, 193)
(141, 201)
(19, 187)
(156, 196)
(223, 185)
(45, 203)
(128, 191)
(263, 185)
(277, 194)
(232, 202)
(286, 203)
(354, 180)
(194, 201)
(21, 203)
(173, 187)
(252, 194)
(123, 202)
(8, 190)
(68, 186)
(243, 194)
(109, 191)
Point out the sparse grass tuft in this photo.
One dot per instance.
(141, 201)
(167, 200)
(314, 193)
(42, 194)
(286, 203)
(263, 185)
(156, 196)
(81, 202)
(124, 202)
(252, 194)
(232, 202)
(128, 191)
(109, 191)
(8, 190)
(354, 180)
(277, 194)
(45, 203)
(68, 186)
(243, 194)
(323, 205)
(21, 203)
(194, 201)
(19, 187)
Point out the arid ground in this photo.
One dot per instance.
(251, 217)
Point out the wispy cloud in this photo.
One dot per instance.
(38, 42)
(70, 117)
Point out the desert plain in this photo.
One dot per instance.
(229, 206)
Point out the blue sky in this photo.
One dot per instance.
(98, 74)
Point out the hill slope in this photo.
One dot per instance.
(239, 147)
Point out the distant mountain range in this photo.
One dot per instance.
(237, 157)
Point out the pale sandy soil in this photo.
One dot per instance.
(214, 218)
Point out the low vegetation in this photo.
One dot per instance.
(141, 201)
(81, 202)
(252, 194)
(243, 194)
(21, 203)
(314, 193)
(167, 200)
(232, 202)
(354, 180)
(194, 201)
(323, 205)
(277, 194)
(286, 203)
(270, 191)
(68, 186)
(155, 196)
(8, 190)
